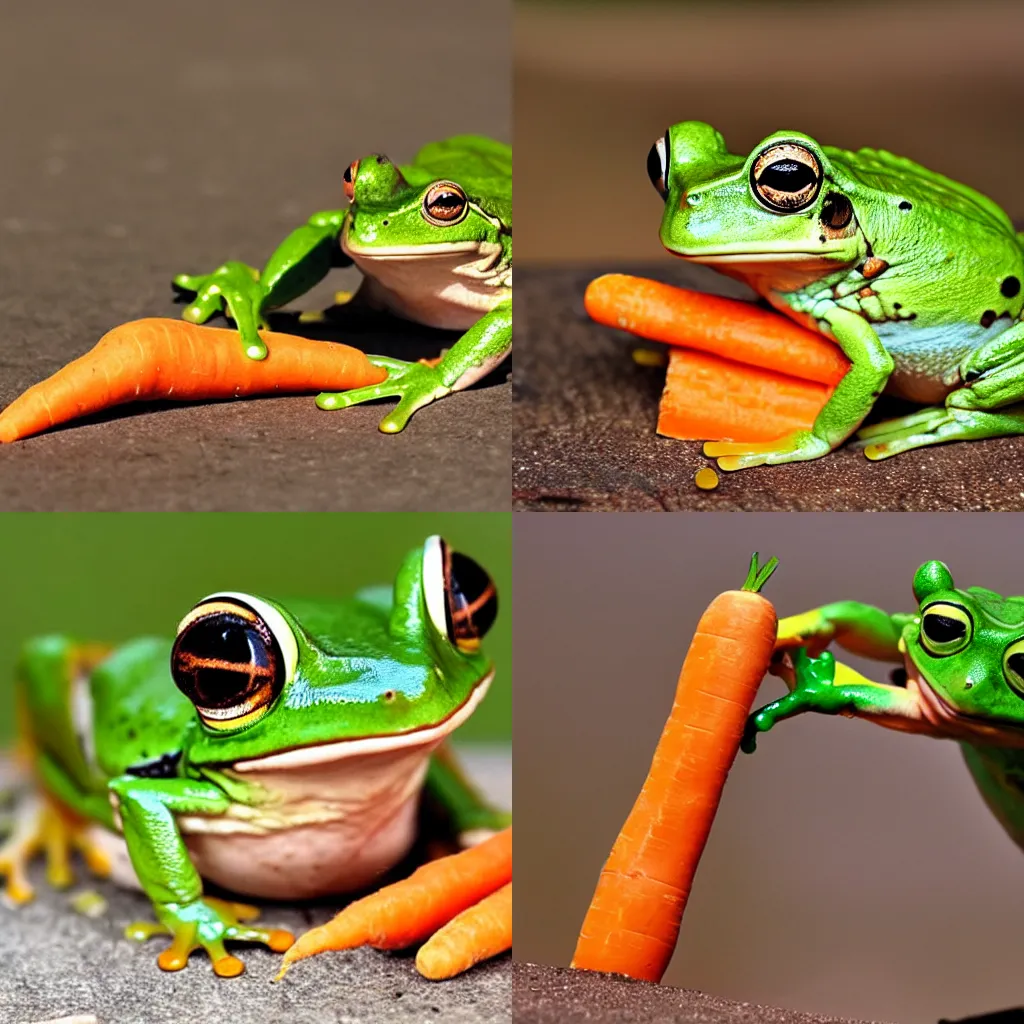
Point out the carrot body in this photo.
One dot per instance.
(731, 328)
(634, 917)
(409, 911)
(707, 398)
(482, 931)
(159, 358)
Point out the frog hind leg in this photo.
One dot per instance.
(990, 404)
(41, 824)
(416, 385)
(472, 819)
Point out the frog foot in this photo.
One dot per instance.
(42, 824)
(812, 681)
(938, 425)
(207, 923)
(414, 384)
(800, 446)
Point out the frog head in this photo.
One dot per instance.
(781, 207)
(964, 649)
(287, 684)
(392, 217)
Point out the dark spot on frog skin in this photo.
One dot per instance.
(836, 211)
(906, 206)
(389, 695)
(821, 238)
(988, 318)
(897, 305)
(1010, 287)
(968, 685)
(132, 734)
(164, 767)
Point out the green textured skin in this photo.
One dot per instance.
(386, 210)
(982, 699)
(373, 666)
(932, 325)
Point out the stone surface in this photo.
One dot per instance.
(586, 414)
(183, 135)
(57, 963)
(557, 995)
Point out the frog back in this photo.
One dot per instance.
(482, 166)
(100, 712)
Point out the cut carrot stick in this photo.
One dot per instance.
(477, 934)
(410, 911)
(161, 358)
(731, 328)
(633, 921)
(707, 398)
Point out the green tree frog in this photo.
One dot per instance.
(915, 277)
(278, 750)
(960, 677)
(433, 240)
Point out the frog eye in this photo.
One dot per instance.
(657, 166)
(232, 657)
(945, 628)
(349, 180)
(1013, 666)
(445, 203)
(786, 177)
(461, 598)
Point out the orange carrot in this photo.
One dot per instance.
(633, 920)
(726, 327)
(707, 398)
(409, 911)
(482, 931)
(161, 358)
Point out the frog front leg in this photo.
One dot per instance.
(851, 401)
(990, 404)
(472, 357)
(246, 294)
(148, 809)
(824, 685)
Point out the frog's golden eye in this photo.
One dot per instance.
(1013, 666)
(349, 180)
(786, 177)
(461, 598)
(945, 628)
(657, 166)
(445, 203)
(232, 657)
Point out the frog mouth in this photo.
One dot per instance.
(775, 254)
(948, 721)
(322, 753)
(411, 252)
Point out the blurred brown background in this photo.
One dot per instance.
(851, 870)
(597, 83)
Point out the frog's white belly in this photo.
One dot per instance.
(924, 355)
(451, 290)
(331, 828)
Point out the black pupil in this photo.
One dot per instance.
(472, 601)
(941, 629)
(220, 660)
(655, 171)
(347, 176)
(787, 176)
(446, 204)
(1015, 662)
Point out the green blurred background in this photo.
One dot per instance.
(114, 576)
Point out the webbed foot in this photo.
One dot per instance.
(414, 384)
(207, 923)
(800, 446)
(937, 425)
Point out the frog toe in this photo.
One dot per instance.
(734, 455)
